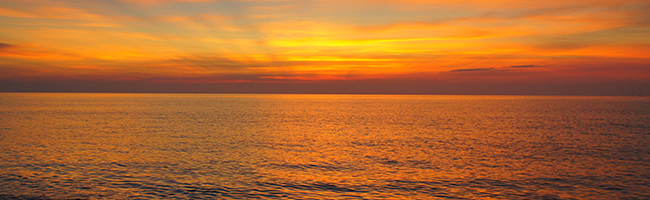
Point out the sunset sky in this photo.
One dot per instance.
(566, 47)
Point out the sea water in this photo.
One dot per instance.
(126, 146)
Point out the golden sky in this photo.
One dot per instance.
(297, 42)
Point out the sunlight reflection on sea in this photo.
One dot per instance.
(120, 146)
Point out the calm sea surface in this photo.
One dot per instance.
(125, 146)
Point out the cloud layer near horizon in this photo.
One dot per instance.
(298, 42)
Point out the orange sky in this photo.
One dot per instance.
(410, 46)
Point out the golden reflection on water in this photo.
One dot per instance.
(323, 146)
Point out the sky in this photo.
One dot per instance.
(546, 47)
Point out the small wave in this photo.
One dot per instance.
(313, 186)
(23, 197)
(325, 167)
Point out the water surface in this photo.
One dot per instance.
(117, 146)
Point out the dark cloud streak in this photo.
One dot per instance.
(493, 69)
(524, 66)
(5, 45)
(472, 69)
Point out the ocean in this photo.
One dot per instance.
(198, 146)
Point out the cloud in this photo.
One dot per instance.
(5, 46)
(524, 66)
(472, 69)
(492, 68)
(13, 13)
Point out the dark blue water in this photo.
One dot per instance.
(125, 146)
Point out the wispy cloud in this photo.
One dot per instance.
(496, 68)
(5, 45)
(523, 66)
(471, 69)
